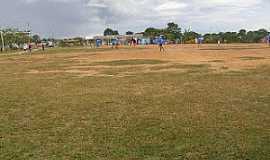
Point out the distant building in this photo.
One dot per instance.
(122, 39)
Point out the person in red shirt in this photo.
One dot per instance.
(30, 48)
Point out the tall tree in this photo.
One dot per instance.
(129, 33)
(115, 32)
(110, 32)
(152, 32)
(242, 35)
(211, 38)
(173, 31)
(36, 38)
(189, 36)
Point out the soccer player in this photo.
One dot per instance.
(134, 42)
(30, 48)
(43, 46)
(161, 42)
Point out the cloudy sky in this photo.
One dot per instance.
(67, 18)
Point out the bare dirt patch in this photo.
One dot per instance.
(43, 72)
(188, 54)
(83, 73)
(147, 58)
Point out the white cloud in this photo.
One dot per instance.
(238, 3)
(171, 5)
(82, 17)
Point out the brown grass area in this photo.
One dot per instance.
(187, 103)
(232, 57)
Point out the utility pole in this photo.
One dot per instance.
(2, 39)
(29, 33)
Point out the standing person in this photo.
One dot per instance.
(1, 49)
(43, 47)
(117, 43)
(161, 43)
(25, 47)
(134, 42)
(114, 43)
(218, 43)
(200, 41)
(268, 40)
(30, 48)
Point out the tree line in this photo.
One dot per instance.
(15, 38)
(175, 34)
(243, 36)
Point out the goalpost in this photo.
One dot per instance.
(2, 39)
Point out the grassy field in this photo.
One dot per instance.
(135, 104)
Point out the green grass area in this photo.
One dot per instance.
(149, 116)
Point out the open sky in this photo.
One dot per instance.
(67, 18)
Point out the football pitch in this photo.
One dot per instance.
(136, 103)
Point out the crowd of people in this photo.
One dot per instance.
(133, 42)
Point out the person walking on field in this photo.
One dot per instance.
(133, 42)
(161, 43)
(43, 47)
(30, 48)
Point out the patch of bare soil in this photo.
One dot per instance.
(43, 72)
(210, 54)
(83, 73)
(220, 59)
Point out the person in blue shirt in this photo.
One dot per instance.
(161, 42)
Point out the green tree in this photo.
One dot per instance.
(173, 31)
(110, 32)
(36, 38)
(211, 38)
(231, 37)
(129, 33)
(260, 34)
(242, 35)
(189, 36)
(115, 32)
(152, 32)
(14, 37)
